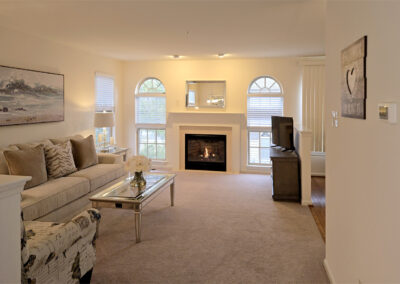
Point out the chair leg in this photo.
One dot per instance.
(87, 277)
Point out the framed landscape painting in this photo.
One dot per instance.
(28, 96)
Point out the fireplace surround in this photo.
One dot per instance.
(205, 152)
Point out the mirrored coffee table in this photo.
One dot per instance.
(122, 196)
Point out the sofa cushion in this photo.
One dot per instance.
(34, 144)
(3, 162)
(45, 198)
(29, 162)
(59, 160)
(84, 152)
(100, 174)
(61, 140)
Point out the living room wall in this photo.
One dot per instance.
(238, 74)
(25, 51)
(362, 169)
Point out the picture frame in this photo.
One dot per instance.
(354, 79)
(30, 96)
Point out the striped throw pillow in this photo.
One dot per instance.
(59, 160)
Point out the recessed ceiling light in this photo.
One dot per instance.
(176, 56)
(220, 55)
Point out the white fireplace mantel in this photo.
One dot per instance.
(229, 124)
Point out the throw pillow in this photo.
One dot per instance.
(59, 160)
(65, 139)
(84, 152)
(3, 162)
(34, 144)
(28, 162)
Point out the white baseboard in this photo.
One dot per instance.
(306, 202)
(316, 174)
(329, 272)
(318, 164)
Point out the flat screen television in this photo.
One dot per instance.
(282, 132)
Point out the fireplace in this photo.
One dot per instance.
(205, 152)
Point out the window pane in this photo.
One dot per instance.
(160, 151)
(151, 110)
(264, 85)
(254, 139)
(151, 135)
(143, 149)
(264, 156)
(265, 139)
(151, 151)
(260, 110)
(160, 136)
(104, 93)
(151, 86)
(254, 156)
(142, 135)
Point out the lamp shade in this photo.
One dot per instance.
(103, 119)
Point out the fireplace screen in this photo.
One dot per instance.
(205, 152)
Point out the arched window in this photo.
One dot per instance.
(264, 85)
(151, 118)
(264, 99)
(151, 86)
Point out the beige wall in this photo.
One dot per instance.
(362, 170)
(238, 74)
(24, 51)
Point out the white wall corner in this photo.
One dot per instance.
(12, 185)
(303, 142)
(329, 272)
(10, 224)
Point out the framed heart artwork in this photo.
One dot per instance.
(354, 79)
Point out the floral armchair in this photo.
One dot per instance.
(59, 252)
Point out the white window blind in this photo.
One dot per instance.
(104, 93)
(260, 110)
(150, 110)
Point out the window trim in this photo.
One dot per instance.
(153, 128)
(144, 95)
(261, 128)
(259, 153)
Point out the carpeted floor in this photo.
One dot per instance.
(223, 229)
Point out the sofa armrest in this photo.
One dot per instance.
(46, 241)
(108, 158)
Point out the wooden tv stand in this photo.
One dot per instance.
(285, 175)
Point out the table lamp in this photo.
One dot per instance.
(104, 120)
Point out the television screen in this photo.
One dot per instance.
(275, 130)
(286, 133)
(282, 132)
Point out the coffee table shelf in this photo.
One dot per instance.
(123, 196)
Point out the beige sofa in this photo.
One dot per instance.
(62, 198)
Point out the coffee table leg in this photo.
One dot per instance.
(172, 189)
(138, 225)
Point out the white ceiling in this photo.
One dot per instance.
(140, 29)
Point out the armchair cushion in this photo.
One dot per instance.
(59, 252)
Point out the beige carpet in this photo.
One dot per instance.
(223, 229)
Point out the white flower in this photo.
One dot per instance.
(138, 164)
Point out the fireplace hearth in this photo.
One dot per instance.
(205, 152)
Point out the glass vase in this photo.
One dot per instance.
(138, 180)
